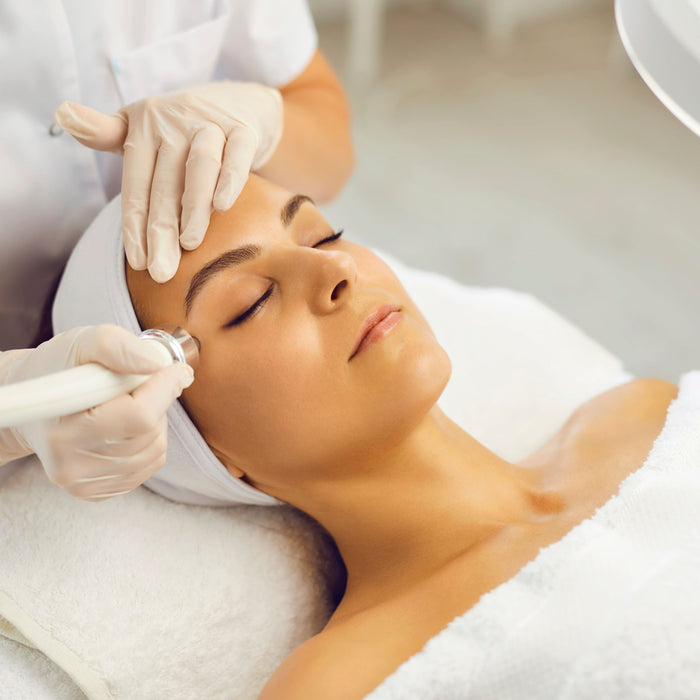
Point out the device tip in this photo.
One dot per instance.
(182, 346)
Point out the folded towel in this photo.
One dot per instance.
(139, 597)
(610, 611)
(27, 674)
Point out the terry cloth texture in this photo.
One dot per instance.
(140, 597)
(609, 611)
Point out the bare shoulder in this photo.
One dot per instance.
(639, 399)
(344, 662)
(323, 667)
(647, 384)
(617, 428)
(301, 675)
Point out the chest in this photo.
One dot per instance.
(602, 443)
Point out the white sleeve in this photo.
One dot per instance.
(267, 41)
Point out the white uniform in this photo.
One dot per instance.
(106, 54)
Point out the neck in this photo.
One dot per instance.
(405, 513)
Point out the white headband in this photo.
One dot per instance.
(93, 291)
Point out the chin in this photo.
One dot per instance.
(411, 389)
(430, 374)
(422, 363)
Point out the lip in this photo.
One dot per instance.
(366, 336)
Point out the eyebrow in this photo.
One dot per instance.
(234, 257)
(290, 209)
(228, 259)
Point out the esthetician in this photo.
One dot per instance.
(176, 102)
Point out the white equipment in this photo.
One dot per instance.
(86, 386)
(662, 38)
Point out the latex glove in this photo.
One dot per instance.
(112, 448)
(183, 152)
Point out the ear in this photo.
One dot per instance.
(227, 462)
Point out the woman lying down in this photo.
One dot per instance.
(317, 385)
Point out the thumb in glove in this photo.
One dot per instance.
(92, 128)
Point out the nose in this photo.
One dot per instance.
(333, 279)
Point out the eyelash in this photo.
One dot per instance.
(252, 310)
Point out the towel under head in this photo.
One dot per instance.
(93, 290)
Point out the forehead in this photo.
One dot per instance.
(253, 218)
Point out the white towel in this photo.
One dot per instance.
(26, 674)
(609, 612)
(142, 598)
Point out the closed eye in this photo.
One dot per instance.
(330, 239)
(251, 310)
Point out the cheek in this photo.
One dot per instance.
(374, 272)
(315, 413)
(403, 381)
(257, 406)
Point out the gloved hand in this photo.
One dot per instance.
(112, 448)
(183, 152)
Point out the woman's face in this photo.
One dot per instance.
(279, 303)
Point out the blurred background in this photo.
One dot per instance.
(510, 143)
